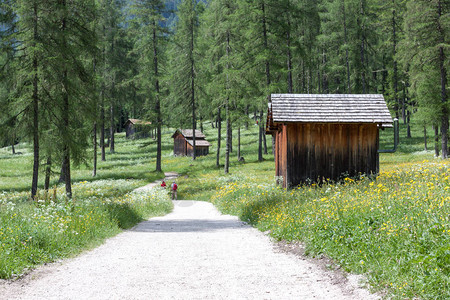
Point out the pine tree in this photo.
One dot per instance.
(69, 80)
(184, 57)
(8, 134)
(423, 52)
(29, 66)
(150, 35)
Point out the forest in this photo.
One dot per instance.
(73, 71)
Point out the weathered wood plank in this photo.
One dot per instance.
(329, 108)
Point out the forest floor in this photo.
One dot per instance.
(194, 252)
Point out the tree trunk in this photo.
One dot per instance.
(219, 137)
(264, 138)
(67, 177)
(62, 173)
(425, 137)
(436, 140)
(404, 104)
(268, 82)
(362, 49)
(102, 130)
(66, 149)
(260, 140)
(289, 58)
(408, 128)
(112, 128)
(228, 146)
(191, 54)
(227, 113)
(66, 114)
(443, 71)
(102, 108)
(35, 97)
(48, 172)
(94, 140)
(246, 116)
(230, 136)
(239, 143)
(347, 63)
(13, 146)
(158, 103)
(394, 52)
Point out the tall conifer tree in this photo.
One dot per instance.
(148, 43)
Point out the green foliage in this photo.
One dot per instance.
(48, 229)
(419, 53)
(395, 228)
(184, 57)
(131, 160)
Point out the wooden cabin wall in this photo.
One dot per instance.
(189, 149)
(201, 151)
(281, 153)
(129, 130)
(179, 145)
(317, 151)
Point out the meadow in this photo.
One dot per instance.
(54, 227)
(395, 228)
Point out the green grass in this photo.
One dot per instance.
(33, 233)
(394, 229)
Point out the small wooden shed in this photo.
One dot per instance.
(136, 128)
(183, 144)
(325, 136)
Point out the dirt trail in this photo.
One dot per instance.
(192, 253)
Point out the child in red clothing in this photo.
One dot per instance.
(174, 187)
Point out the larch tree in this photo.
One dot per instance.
(30, 52)
(73, 41)
(423, 51)
(184, 58)
(146, 23)
(8, 136)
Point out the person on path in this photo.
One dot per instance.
(174, 187)
(163, 184)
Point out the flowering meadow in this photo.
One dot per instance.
(52, 227)
(395, 228)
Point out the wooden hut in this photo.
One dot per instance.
(136, 129)
(183, 144)
(325, 136)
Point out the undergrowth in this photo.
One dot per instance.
(53, 227)
(396, 229)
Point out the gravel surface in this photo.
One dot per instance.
(192, 253)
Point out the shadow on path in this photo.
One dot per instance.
(186, 225)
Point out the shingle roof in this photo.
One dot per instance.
(304, 108)
(201, 143)
(188, 133)
(137, 121)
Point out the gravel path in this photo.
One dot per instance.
(192, 253)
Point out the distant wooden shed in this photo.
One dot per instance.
(183, 144)
(136, 128)
(325, 136)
